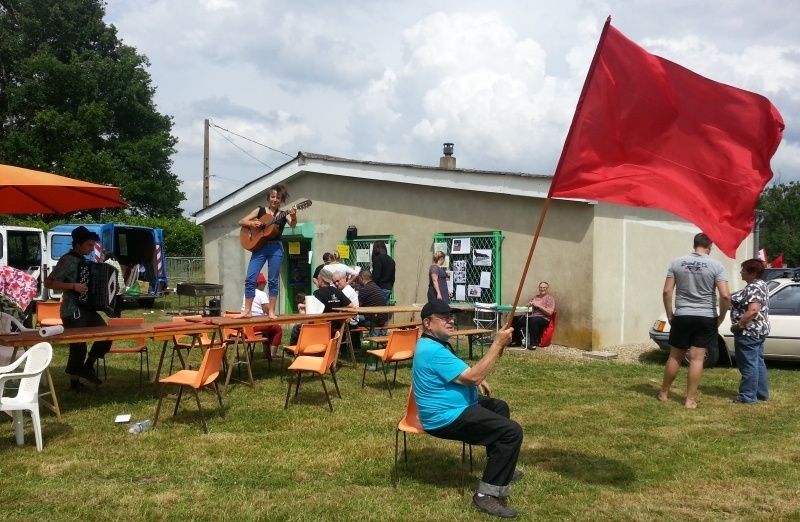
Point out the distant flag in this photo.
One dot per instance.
(762, 255)
(778, 261)
(650, 133)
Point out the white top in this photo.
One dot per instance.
(341, 267)
(351, 294)
(259, 302)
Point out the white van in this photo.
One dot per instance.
(24, 248)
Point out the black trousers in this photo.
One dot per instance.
(77, 351)
(488, 424)
(536, 325)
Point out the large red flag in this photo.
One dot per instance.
(650, 133)
(777, 262)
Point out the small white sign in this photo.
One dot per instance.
(123, 418)
(461, 246)
(486, 279)
(461, 294)
(362, 255)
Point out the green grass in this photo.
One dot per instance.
(597, 446)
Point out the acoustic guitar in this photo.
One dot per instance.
(253, 238)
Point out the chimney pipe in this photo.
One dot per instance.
(448, 161)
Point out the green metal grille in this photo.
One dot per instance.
(470, 255)
(361, 252)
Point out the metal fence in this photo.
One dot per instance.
(475, 261)
(185, 270)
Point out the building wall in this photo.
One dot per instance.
(605, 263)
(633, 249)
(413, 214)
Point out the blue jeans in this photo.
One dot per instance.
(754, 385)
(272, 254)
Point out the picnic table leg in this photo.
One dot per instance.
(160, 361)
(52, 406)
(239, 336)
(470, 339)
(350, 345)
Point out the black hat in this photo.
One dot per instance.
(437, 306)
(81, 234)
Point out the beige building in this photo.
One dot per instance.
(605, 263)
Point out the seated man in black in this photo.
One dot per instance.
(331, 296)
(369, 294)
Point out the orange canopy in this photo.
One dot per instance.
(26, 191)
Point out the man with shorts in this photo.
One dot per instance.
(696, 280)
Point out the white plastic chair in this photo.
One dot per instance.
(36, 360)
(8, 324)
(486, 316)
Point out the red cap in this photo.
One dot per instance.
(261, 279)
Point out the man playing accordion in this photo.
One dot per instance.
(74, 311)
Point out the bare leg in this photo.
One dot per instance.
(676, 356)
(696, 358)
(273, 351)
(248, 307)
(271, 307)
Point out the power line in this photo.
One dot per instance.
(241, 149)
(251, 140)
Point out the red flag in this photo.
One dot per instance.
(650, 133)
(778, 261)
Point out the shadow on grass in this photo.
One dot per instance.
(654, 357)
(51, 430)
(678, 393)
(591, 469)
(437, 466)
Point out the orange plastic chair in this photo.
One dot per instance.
(318, 365)
(400, 347)
(410, 424)
(311, 334)
(139, 345)
(250, 339)
(206, 375)
(48, 313)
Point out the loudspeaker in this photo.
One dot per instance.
(352, 232)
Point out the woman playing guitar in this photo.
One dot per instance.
(271, 252)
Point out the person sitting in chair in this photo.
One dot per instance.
(542, 307)
(446, 390)
(272, 333)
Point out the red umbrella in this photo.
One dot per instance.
(26, 191)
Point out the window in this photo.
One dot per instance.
(785, 301)
(24, 249)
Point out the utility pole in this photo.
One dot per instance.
(760, 215)
(205, 165)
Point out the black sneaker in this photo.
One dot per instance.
(88, 374)
(76, 386)
(492, 506)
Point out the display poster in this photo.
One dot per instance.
(362, 255)
(461, 293)
(440, 247)
(474, 291)
(343, 251)
(294, 248)
(461, 245)
(486, 280)
(481, 257)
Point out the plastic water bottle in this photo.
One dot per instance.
(140, 426)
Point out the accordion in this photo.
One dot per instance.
(101, 281)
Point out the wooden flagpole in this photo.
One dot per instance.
(546, 205)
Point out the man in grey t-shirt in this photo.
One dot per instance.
(695, 280)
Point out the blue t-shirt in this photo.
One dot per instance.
(440, 400)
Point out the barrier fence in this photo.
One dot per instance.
(185, 270)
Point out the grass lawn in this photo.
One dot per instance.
(597, 446)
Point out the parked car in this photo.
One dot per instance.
(783, 342)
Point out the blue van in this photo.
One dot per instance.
(139, 251)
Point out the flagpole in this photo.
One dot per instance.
(547, 200)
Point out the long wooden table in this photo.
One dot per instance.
(238, 324)
(90, 334)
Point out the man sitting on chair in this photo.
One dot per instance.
(446, 391)
(272, 333)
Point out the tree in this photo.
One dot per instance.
(76, 101)
(780, 231)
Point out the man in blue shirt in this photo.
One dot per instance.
(446, 391)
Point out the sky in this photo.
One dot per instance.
(392, 81)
